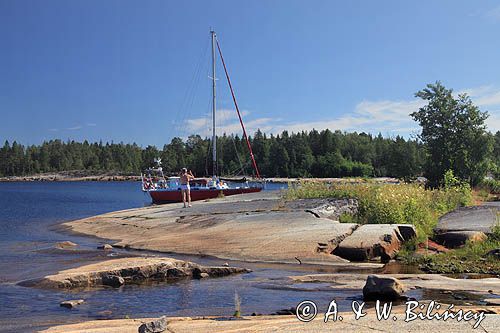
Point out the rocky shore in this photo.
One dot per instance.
(87, 175)
(73, 176)
(252, 227)
(263, 227)
(289, 323)
(117, 272)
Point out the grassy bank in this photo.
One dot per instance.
(474, 257)
(412, 204)
(390, 203)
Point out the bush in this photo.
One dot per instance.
(490, 185)
(391, 204)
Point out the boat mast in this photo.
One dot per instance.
(214, 139)
(238, 111)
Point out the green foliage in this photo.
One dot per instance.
(347, 218)
(471, 258)
(455, 136)
(388, 203)
(304, 154)
(491, 185)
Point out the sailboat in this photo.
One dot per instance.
(168, 189)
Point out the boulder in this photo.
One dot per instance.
(454, 239)
(71, 303)
(465, 223)
(155, 326)
(105, 247)
(370, 241)
(383, 288)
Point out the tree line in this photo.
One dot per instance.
(305, 154)
(453, 137)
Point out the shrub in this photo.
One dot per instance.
(391, 203)
(491, 185)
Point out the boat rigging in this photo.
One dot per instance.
(166, 190)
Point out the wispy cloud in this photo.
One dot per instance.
(91, 124)
(389, 117)
(74, 128)
(53, 129)
(493, 13)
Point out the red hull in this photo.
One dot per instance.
(160, 196)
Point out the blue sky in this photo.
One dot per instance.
(137, 71)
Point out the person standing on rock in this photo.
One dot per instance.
(185, 189)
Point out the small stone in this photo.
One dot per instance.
(105, 247)
(204, 275)
(225, 264)
(71, 303)
(155, 326)
(105, 313)
(384, 288)
(113, 281)
(65, 244)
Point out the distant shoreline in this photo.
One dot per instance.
(72, 176)
(85, 176)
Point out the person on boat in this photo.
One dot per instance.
(186, 177)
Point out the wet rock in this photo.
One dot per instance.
(105, 247)
(155, 326)
(285, 312)
(113, 281)
(374, 240)
(105, 313)
(384, 288)
(71, 303)
(116, 272)
(454, 239)
(65, 245)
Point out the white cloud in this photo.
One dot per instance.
(388, 117)
(53, 129)
(493, 13)
(74, 128)
(91, 124)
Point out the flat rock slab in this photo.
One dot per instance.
(290, 323)
(475, 218)
(117, 272)
(374, 240)
(412, 281)
(455, 228)
(251, 227)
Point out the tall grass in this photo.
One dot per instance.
(391, 203)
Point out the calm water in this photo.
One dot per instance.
(29, 215)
